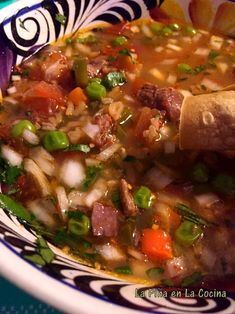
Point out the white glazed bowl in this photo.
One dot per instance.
(66, 284)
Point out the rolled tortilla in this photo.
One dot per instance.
(207, 122)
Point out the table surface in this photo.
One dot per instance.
(15, 301)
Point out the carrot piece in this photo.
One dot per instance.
(156, 244)
(77, 96)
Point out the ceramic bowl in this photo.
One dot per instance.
(26, 26)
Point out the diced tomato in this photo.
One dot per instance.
(137, 84)
(156, 244)
(44, 98)
(125, 63)
(21, 182)
(115, 29)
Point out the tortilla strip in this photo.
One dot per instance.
(207, 122)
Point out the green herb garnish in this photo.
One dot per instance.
(153, 273)
(113, 79)
(92, 174)
(124, 270)
(190, 215)
(61, 18)
(196, 277)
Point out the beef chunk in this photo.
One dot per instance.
(104, 220)
(104, 136)
(130, 209)
(96, 66)
(165, 98)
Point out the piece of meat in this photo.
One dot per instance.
(104, 136)
(130, 209)
(165, 98)
(96, 65)
(104, 220)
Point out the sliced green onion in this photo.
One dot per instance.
(113, 79)
(95, 91)
(153, 273)
(200, 173)
(124, 270)
(142, 197)
(196, 277)
(125, 52)
(19, 127)
(119, 41)
(187, 233)
(47, 254)
(224, 183)
(80, 71)
(15, 209)
(55, 140)
(61, 18)
(78, 147)
(184, 68)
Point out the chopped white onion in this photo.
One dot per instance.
(72, 173)
(146, 31)
(98, 190)
(15, 78)
(212, 85)
(168, 61)
(40, 209)
(157, 74)
(158, 179)
(31, 167)
(207, 199)
(136, 254)
(216, 42)
(111, 253)
(203, 52)
(172, 78)
(108, 152)
(90, 162)
(169, 147)
(135, 29)
(14, 158)
(91, 130)
(222, 66)
(62, 200)
(165, 131)
(30, 137)
(11, 90)
(43, 159)
(174, 47)
(159, 49)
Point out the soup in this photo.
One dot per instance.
(91, 158)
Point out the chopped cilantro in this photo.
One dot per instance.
(92, 174)
(61, 18)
